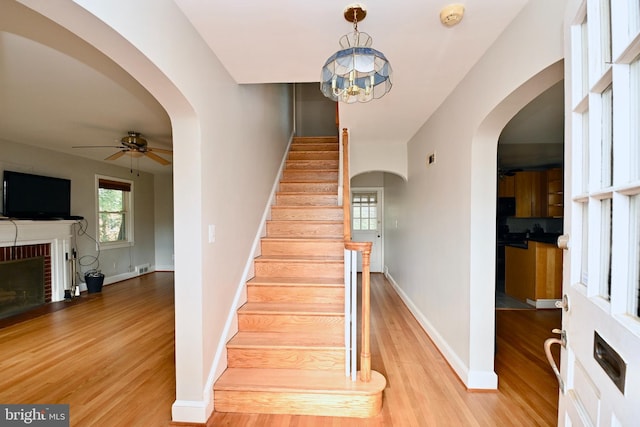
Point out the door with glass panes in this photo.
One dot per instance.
(600, 358)
(366, 223)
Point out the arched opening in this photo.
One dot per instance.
(483, 205)
(371, 217)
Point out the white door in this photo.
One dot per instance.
(366, 223)
(600, 363)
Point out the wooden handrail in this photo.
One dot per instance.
(365, 248)
(346, 186)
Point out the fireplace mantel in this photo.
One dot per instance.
(57, 233)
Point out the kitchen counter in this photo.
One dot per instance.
(533, 271)
(520, 240)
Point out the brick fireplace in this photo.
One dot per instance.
(32, 251)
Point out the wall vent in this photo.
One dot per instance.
(142, 269)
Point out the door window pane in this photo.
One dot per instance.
(364, 207)
(607, 138)
(606, 243)
(634, 288)
(584, 260)
(585, 152)
(634, 98)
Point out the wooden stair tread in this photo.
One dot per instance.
(291, 308)
(297, 281)
(290, 340)
(287, 380)
(300, 258)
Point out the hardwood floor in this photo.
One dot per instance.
(111, 358)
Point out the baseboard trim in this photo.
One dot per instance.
(473, 380)
(189, 413)
(543, 303)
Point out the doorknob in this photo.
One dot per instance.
(564, 304)
(547, 351)
(563, 241)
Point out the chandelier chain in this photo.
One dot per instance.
(355, 20)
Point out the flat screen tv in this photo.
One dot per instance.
(28, 196)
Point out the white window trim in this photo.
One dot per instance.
(130, 228)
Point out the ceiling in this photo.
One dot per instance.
(56, 91)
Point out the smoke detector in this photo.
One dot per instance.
(452, 14)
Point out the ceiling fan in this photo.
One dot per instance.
(135, 144)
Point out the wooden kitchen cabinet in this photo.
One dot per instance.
(506, 186)
(531, 194)
(555, 193)
(534, 273)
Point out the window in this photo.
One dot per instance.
(115, 225)
(365, 211)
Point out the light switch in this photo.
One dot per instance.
(212, 233)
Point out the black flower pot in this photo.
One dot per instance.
(94, 282)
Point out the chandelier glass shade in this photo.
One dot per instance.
(357, 72)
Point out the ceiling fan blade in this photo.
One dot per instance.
(160, 150)
(116, 155)
(157, 158)
(97, 146)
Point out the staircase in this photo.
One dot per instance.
(288, 355)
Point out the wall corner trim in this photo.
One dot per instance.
(190, 411)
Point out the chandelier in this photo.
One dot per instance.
(357, 72)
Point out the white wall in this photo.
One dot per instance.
(315, 113)
(163, 211)
(441, 256)
(228, 143)
(114, 263)
(368, 179)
